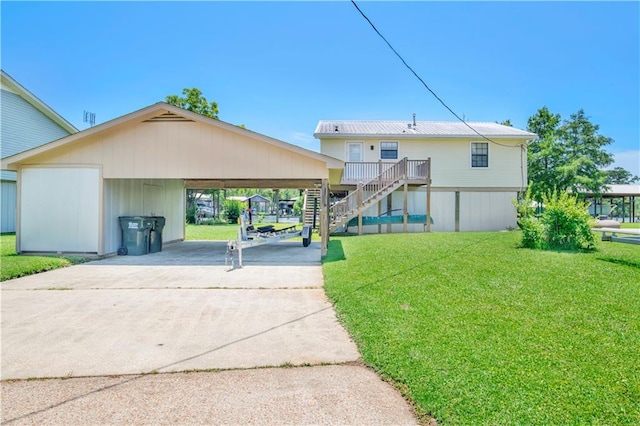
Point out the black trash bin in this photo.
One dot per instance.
(135, 234)
(155, 239)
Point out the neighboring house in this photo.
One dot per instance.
(256, 202)
(27, 122)
(472, 183)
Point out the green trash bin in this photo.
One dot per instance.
(135, 234)
(155, 238)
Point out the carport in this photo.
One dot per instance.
(72, 191)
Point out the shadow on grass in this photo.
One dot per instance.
(617, 261)
(335, 252)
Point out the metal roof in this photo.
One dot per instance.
(336, 128)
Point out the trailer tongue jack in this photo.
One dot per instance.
(248, 237)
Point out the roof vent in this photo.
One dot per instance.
(336, 128)
(414, 119)
(408, 125)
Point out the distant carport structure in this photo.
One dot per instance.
(616, 202)
(72, 191)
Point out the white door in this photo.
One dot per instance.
(355, 151)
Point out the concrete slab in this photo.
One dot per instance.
(311, 395)
(190, 264)
(183, 310)
(49, 333)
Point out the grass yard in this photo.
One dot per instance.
(230, 232)
(14, 266)
(627, 225)
(479, 332)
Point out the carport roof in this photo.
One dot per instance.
(168, 113)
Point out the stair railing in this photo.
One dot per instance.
(346, 208)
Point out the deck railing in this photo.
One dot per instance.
(364, 171)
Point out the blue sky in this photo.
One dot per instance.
(279, 67)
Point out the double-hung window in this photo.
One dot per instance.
(388, 150)
(479, 154)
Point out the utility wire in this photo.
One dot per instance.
(423, 82)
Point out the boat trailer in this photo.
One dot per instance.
(248, 237)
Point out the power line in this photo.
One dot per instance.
(422, 81)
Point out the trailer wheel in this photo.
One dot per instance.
(306, 241)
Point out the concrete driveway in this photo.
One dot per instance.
(183, 310)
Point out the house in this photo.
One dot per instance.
(141, 164)
(420, 175)
(256, 202)
(27, 122)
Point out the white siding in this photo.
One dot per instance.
(60, 209)
(143, 197)
(8, 214)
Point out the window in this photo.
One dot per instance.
(479, 154)
(388, 150)
(355, 151)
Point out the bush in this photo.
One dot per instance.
(567, 223)
(564, 224)
(191, 214)
(532, 233)
(232, 210)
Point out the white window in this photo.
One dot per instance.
(355, 151)
(388, 150)
(479, 154)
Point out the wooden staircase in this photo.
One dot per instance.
(367, 194)
(311, 198)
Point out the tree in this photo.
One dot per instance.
(567, 155)
(621, 176)
(194, 101)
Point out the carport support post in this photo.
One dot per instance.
(277, 201)
(428, 228)
(324, 216)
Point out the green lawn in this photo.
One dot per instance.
(480, 332)
(229, 232)
(630, 225)
(14, 266)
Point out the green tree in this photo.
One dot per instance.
(193, 100)
(621, 176)
(567, 155)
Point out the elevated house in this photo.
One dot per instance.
(417, 176)
(27, 122)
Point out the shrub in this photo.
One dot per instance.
(232, 210)
(567, 223)
(564, 224)
(532, 233)
(191, 214)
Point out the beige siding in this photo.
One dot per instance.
(451, 160)
(60, 210)
(487, 211)
(478, 211)
(143, 197)
(183, 150)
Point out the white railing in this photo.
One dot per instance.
(365, 171)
